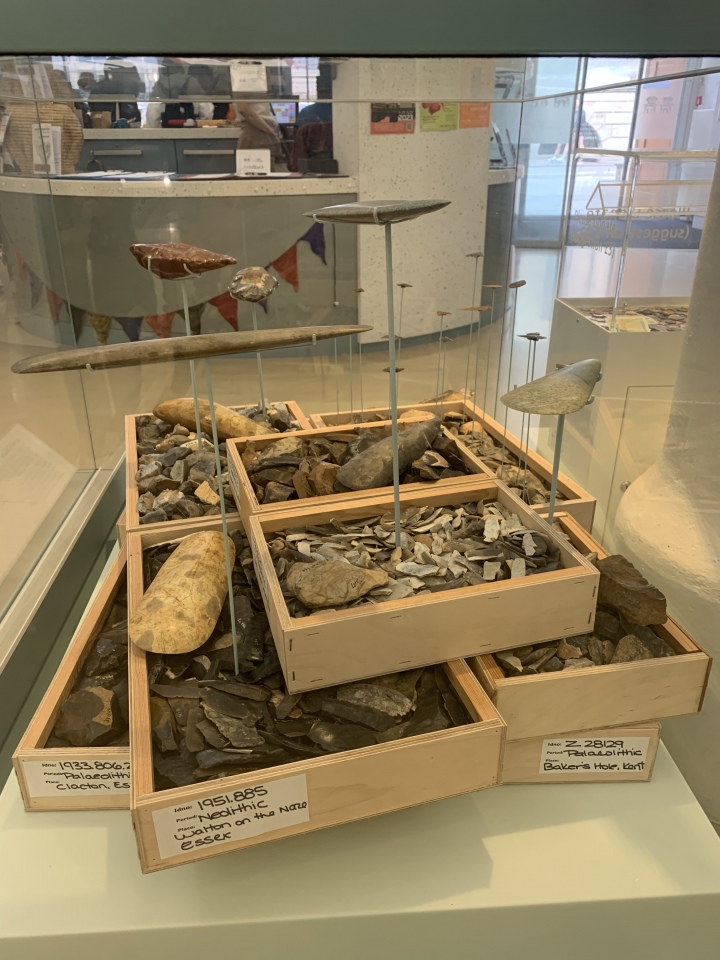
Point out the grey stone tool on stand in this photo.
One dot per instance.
(254, 284)
(564, 391)
(384, 213)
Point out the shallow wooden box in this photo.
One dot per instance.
(35, 764)
(578, 502)
(340, 788)
(595, 697)
(132, 517)
(339, 646)
(610, 755)
(248, 504)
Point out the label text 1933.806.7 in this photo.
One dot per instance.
(51, 778)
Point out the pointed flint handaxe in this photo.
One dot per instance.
(175, 261)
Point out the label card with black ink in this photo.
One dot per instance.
(219, 818)
(594, 755)
(66, 778)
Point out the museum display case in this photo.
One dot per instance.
(362, 334)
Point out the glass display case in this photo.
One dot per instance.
(566, 200)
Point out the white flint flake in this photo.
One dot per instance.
(492, 530)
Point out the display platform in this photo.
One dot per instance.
(591, 870)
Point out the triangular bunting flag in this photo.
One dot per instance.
(36, 287)
(131, 326)
(286, 266)
(21, 265)
(226, 307)
(315, 236)
(160, 323)
(55, 302)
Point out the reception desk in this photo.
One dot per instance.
(183, 150)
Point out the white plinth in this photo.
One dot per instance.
(548, 872)
(621, 434)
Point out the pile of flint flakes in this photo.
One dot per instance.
(342, 564)
(208, 723)
(525, 484)
(175, 480)
(95, 714)
(629, 608)
(296, 467)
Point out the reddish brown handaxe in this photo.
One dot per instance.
(174, 261)
(623, 587)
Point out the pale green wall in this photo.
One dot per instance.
(360, 26)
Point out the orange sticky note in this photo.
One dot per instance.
(474, 115)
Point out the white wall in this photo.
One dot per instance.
(429, 253)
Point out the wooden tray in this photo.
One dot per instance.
(315, 793)
(578, 502)
(132, 517)
(248, 504)
(610, 755)
(340, 646)
(597, 697)
(122, 530)
(37, 766)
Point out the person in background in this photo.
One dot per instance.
(120, 79)
(63, 93)
(86, 84)
(259, 129)
(320, 111)
(172, 99)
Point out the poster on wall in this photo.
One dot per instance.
(474, 115)
(439, 117)
(392, 118)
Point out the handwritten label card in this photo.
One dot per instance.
(248, 77)
(226, 817)
(252, 163)
(66, 778)
(594, 756)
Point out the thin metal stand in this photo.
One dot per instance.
(360, 365)
(400, 325)
(556, 467)
(533, 338)
(337, 380)
(442, 314)
(259, 363)
(487, 364)
(522, 422)
(226, 536)
(477, 358)
(467, 362)
(393, 384)
(188, 333)
(513, 286)
(352, 402)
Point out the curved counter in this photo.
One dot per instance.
(73, 233)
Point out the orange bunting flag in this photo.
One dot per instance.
(286, 265)
(161, 323)
(226, 307)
